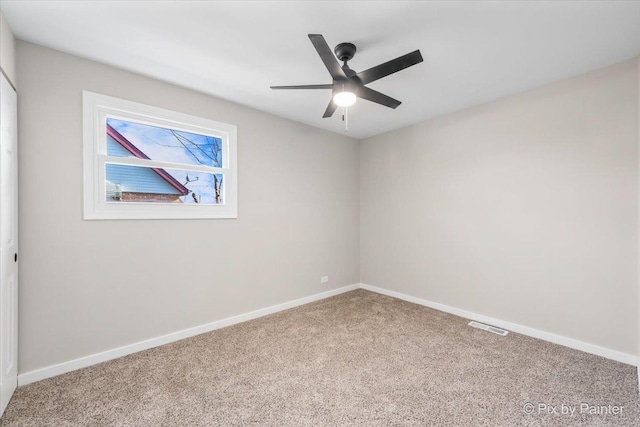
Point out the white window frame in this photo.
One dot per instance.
(97, 108)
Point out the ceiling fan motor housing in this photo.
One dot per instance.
(345, 86)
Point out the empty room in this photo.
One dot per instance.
(319, 213)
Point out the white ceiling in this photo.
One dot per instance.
(474, 52)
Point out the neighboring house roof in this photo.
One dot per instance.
(124, 142)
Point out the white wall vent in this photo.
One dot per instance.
(488, 328)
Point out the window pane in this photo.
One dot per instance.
(130, 139)
(125, 183)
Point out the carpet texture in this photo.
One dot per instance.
(359, 358)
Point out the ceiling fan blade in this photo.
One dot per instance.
(377, 97)
(329, 86)
(331, 108)
(327, 57)
(390, 67)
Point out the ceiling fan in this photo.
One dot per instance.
(347, 84)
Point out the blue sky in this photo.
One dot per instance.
(181, 147)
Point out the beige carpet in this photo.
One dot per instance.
(356, 359)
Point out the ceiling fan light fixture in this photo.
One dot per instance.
(344, 98)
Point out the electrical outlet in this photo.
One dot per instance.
(324, 279)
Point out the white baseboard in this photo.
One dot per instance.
(93, 359)
(618, 356)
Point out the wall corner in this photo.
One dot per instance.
(638, 224)
(7, 51)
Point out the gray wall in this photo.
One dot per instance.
(524, 209)
(90, 286)
(7, 50)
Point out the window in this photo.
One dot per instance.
(146, 162)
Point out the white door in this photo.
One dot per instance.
(8, 242)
